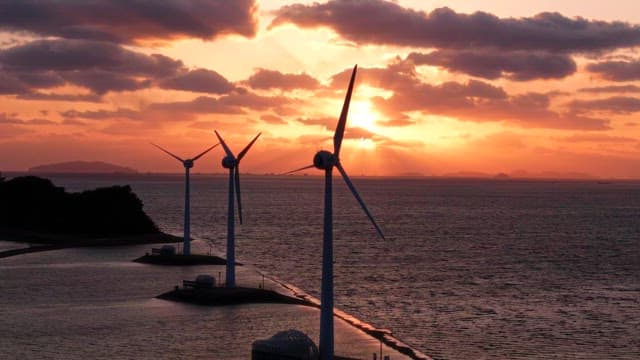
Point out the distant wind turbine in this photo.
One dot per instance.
(325, 160)
(188, 164)
(232, 163)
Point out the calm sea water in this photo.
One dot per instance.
(470, 269)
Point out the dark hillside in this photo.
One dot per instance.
(36, 204)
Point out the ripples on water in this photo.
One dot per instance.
(470, 269)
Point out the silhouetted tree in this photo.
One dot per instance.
(34, 203)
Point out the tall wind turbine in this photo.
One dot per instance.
(325, 160)
(188, 164)
(232, 163)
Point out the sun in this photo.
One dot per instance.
(362, 115)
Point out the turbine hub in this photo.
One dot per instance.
(324, 160)
(188, 164)
(229, 162)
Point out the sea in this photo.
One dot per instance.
(469, 269)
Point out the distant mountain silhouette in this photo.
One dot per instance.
(467, 174)
(84, 167)
(35, 204)
(520, 174)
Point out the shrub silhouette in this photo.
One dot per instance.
(34, 203)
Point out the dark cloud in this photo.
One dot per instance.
(120, 113)
(612, 89)
(199, 80)
(132, 20)
(100, 81)
(401, 76)
(255, 102)
(397, 75)
(515, 65)
(40, 79)
(227, 104)
(441, 98)
(77, 55)
(471, 101)
(60, 97)
(11, 131)
(388, 23)
(531, 110)
(271, 79)
(100, 67)
(74, 122)
(10, 84)
(189, 110)
(10, 119)
(617, 70)
(199, 105)
(474, 100)
(615, 104)
(13, 119)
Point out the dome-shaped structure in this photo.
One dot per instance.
(289, 344)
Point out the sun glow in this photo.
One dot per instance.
(367, 144)
(363, 116)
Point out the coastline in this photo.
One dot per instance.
(68, 241)
(47, 242)
(383, 335)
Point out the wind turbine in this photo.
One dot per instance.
(188, 164)
(232, 163)
(325, 160)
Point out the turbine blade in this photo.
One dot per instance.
(237, 179)
(170, 154)
(204, 152)
(244, 151)
(337, 137)
(357, 196)
(296, 170)
(224, 145)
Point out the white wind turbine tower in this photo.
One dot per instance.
(188, 164)
(232, 163)
(325, 160)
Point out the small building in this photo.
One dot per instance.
(285, 345)
(165, 250)
(203, 281)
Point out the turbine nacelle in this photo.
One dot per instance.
(229, 162)
(188, 164)
(324, 160)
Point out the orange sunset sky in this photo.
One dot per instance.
(443, 86)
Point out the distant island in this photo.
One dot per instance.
(519, 174)
(34, 210)
(82, 167)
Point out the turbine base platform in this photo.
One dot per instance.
(222, 296)
(182, 260)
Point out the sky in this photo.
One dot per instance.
(459, 86)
